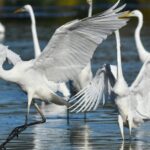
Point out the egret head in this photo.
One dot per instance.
(25, 8)
(134, 13)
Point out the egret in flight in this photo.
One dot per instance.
(132, 102)
(67, 53)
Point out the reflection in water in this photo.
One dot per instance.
(56, 133)
(48, 135)
(79, 137)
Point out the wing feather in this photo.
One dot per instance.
(141, 91)
(74, 43)
(96, 91)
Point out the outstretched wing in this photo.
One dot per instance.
(96, 91)
(74, 43)
(141, 91)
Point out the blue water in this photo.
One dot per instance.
(100, 130)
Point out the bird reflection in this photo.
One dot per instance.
(48, 135)
(79, 137)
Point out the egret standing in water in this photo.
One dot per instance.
(143, 53)
(132, 102)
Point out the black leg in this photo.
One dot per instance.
(15, 132)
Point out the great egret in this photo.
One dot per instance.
(67, 53)
(143, 53)
(132, 102)
(28, 8)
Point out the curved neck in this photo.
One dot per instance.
(37, 50)
(140, 48)
(90, 9)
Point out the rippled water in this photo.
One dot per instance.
(100, 130)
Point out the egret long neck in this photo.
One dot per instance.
(37, 50)
(120, 87)
(143, 54)
(119, 64)
(90, 9)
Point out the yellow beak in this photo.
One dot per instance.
(126, 14)
(19, 10)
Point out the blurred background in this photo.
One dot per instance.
(64, 8)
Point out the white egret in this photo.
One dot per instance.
(67, 53)
(28, 8)
(143, 53)
(132, 102)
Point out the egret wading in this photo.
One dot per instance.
(132, 102)
(76, 41)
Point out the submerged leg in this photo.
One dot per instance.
(120, 121)
(15, 132)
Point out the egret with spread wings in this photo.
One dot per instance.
(67, 53)
(86, 74)
(132, 102)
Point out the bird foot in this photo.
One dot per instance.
(2, 147)
(14, 133)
